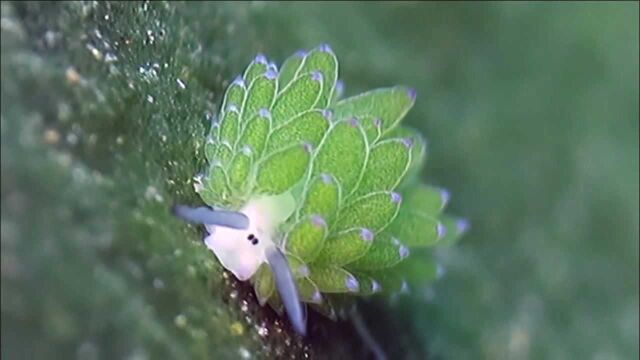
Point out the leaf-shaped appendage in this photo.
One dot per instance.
(330, 187)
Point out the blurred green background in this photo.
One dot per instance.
(530, 110)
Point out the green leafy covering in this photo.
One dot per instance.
(454, 228)
(322, 197)
(308, 127)
(385, 252)
(330, 279)
(416, 228)
(322, 59)
(418, 153)
(254, 135)
(307, 237)
(368, 285)
(234, 96)
(414, 274)
(239, 169)
(256, 68)
(425, 199)
(105, 114)
(289, 69)
(374, 212)
(216, 186)
(342, 154)
(218, 152)
(263, 283)
(260, 96)
(352, 170)
(388, 162)
(345, 247)
(229, 125)
(298, 96)
(281, 170)
(389, 105)
(308, 291)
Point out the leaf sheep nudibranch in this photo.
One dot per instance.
(312, 197)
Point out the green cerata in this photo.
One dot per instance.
(316, 199)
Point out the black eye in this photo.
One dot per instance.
(250, 237)
(254, 241)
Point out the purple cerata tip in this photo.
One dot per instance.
(326, 178)
(352, 284)
(339, 87)
(327, 114)
(260, 59)
(318, 221)
(403, 251)
(412, 93)
(316, 76)
(232, 108)
(462, 226)
(444, 197)
(366, 235)
(377, 122)
(303, 271)
(272, 66)
(265, 113)
(441, 230)
(404, 288)
(307, 147)
(239, 81)
(354, 122)
(300, 53)
(408, 142)
(395, 197)
(375, 286)
(270, 74)
(325, 48)
(316, 297)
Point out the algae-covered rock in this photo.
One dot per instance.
(104, 107)
(531, 117)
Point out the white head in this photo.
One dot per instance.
(244, 240)
(242, 251)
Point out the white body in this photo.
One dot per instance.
(235, 249)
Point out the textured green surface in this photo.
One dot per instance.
(373, 211)
(385, 252)
(387, 164)
(342, 179)
(300, 95)
(333, 280)
(388, 105)
(531, 115)
(282, 169)
(307, 237)
(308, 127)
(345, 247)
(342, 154)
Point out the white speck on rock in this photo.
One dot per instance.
(158, 284)
(152, 194)
(263, 331)
(97, 54)
(72, 139)
(110, 57)
(180, 321)
(244, 353)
